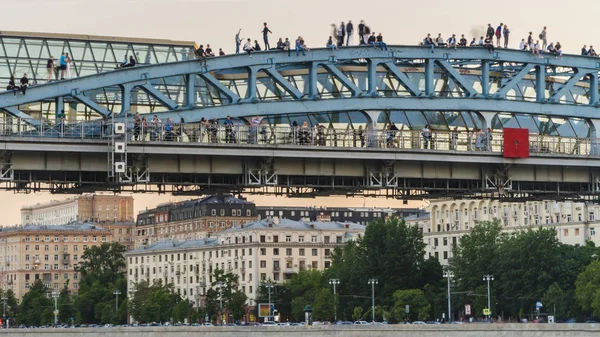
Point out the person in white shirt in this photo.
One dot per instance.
(522, 45)
(248, 47)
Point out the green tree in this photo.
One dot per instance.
(556, 298)
(587, 289)
(12, 304)
(224, 289)
(528, 262)
(102, 272)
(390, 251)
(35, 306)
(281, 297)
(415, 298)
(357, 313)
(155, 302)
(66, 311)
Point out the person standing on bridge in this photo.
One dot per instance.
(361, 32)
(228, 124)
(238, 41)
(341, 34)
(490, 31)
(63, 65)
(265, 33)
(499, 34)
(506, 33)
(349, 31)
(543, 37)
(50, 68)
(426, 133)
(136, 127)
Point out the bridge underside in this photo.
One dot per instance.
(294, 171)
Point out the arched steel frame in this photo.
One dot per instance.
(409, 78)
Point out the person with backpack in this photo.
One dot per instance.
(367, 33)
(543, 38)
(499, 34)
(361, 32)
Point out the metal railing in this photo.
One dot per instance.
(267, 135)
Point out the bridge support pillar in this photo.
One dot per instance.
(486, 120)
(60, 105)
(372, 134)
(485, 78)
(190, 90)
(126, 98)
(595, 135)
(429, 65)
(540, 83)
(312, 81)
(372, 76)
(593, 89)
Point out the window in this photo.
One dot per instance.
(338, 239)
(301, 238)
(301, 251)
(592, 231)
(576, 231)
(263, 251)
(275, 251)
(445, 255)
(262, 238)
(315, 252)
(222, 212)
(592, 216)
(263, 276)
(288, 238)
(313, 239)
(566, 232)
(248, 213)
(288, 251)
(263, 264)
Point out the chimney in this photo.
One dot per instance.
(270, 224)
(312, 225)
(346, 226)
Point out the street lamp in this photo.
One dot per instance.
(220, 286)
(488, 278)
(4, 298)
(373, 282)
(117, 293)
(334, 282)
(269, 286)
(449, 275)
(55, 295)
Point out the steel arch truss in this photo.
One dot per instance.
(351, 79)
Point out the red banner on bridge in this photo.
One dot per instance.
(516, 143)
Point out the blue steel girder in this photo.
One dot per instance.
(91, 104)
(354, 56)
(13, 111)
(384, 103)
(576, 77)
(159, 96)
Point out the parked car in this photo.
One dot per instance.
(362, 323)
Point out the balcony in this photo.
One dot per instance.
(36, 262)
(276, 268)
(66, 261)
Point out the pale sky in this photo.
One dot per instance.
(215, 22)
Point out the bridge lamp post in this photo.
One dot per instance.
(220, 286)
(117, 293)
(55, 295)
(373, 282)
(334, 282)
(488, 278)
(448, 275)
(269, 286)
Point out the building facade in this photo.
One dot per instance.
(256, 252)
(91, 208)
(446, 221)
(359, 215)
(192, 219)
(48, 253)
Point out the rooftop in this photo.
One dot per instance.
(168, 245)
(53, 228)
(297, 225)
(95, 38)
(210, 200)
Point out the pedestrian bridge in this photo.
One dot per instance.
(313, 125)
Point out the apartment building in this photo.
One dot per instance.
(255, 251)
(446, 221)
(98, 208)
(192, 219)
(47, 253)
